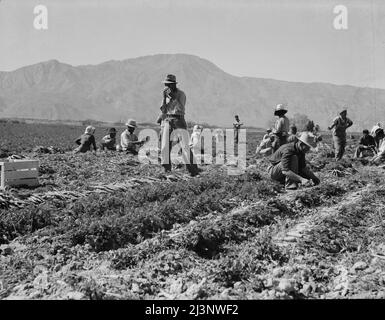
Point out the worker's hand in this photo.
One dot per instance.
(166, 92)
(304, 181)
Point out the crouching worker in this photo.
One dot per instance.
(109, 141)
(288, 163)
(266, 146)
(86, 141)
(129, 140)
(367, 146)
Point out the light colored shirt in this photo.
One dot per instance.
(126, 139)
(282, 126)
(176, 104)
(340, 125)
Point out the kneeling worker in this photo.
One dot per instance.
(288, 163)
(129, 140)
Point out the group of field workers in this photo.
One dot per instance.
(128, 140)
(286, 149)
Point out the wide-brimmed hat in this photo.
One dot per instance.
(170, 78)
(111, 130)
(343, 111)
(280, 108)
(131, 123)
(308, 139)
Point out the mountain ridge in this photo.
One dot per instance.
(131, 88)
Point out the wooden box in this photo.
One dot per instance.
(19, 172)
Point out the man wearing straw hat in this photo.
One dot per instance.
(128, 139)
(288, 163)
(339, 126)
(173, 110)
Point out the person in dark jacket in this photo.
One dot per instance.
(86, 141)
(367, 145)
(288, 163)
(109, 141)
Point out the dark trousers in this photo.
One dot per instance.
(277, 175)
(171, 124)
(278, 141)
(364, 152)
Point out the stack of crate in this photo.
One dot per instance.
(19, 173)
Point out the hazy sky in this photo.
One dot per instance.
(280, 39)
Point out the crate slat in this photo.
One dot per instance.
(18, 182)
(26, 164)
(20, 174)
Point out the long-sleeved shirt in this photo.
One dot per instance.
(174, 103)
(283, 155)
(340, 125)
(85, 141)
(126, 139)
(282, 126)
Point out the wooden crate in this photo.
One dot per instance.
(19, 172)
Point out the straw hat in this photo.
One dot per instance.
(131, 123)
(308, 139)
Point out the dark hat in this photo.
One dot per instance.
(365, 131)
(170, 79)
(111, 130)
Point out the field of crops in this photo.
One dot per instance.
(104, 226)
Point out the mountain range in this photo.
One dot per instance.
(116, 90)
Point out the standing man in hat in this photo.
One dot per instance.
(173, 110)
(237, 126)
(288, 163)
(282, 126)
(128, 139)
(339, 126)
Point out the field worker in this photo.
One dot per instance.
(267, 134)
(195, 139)
(366, 146)
(265, 147)
(128, 139)
(282, 126)
(378, 135)
(173, 106)
(288, 163)
(292, 134)
(375, 127)
(237, 126)
(109, 141)
(339, 126)
(380, 156)
(86, 140)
